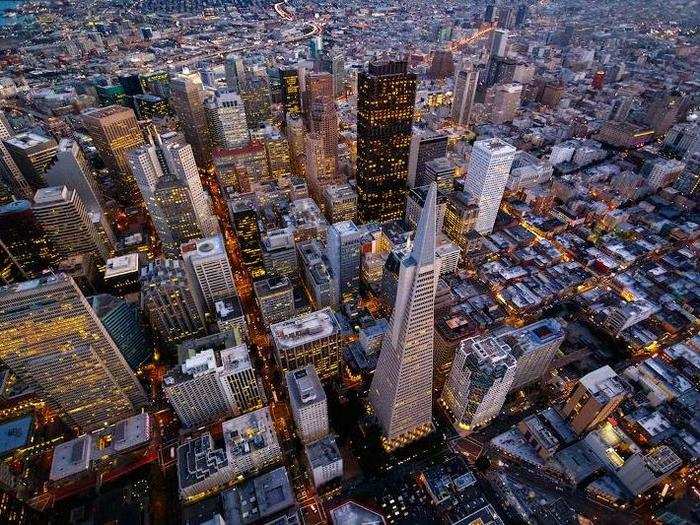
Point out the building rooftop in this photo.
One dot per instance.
(304, 386)
(52, 194)
(198, 460)
(15, 434)
(247, 433)
(259, 498)
(305, 328)
(228, 308)
(74, 456)
(28, 140)
(323, 452)
(352, 513)
(122, 265)
(202, 248)
(603, 383)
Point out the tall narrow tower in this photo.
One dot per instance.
(401, 392)
(385, 105)
(187, 96)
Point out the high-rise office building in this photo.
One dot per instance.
(426, 145)
(275, 298)
(207, 263)
(466, 83)
(506, 101)
(25, 250)
(401, 391)
(33, 154)
(385, 106)
(415, 202)
(187, 98)
(344, 252)
(309, 339)
(122, 321)
(114, 131)
(168, 299)
(481, 377)
(235, 71)
(278, 156)
(487, 175)
(291, 92)
(62, 215)
(226, 117)
(169, 182)
(245, 224)
(440, 171)
(596, 396)
(533, 348)
(340, 203)
(499, 42)
(54, 342)
(73, 170)
(321, 143)
(177, 223)
(308, 402)
(256, 100)
(9, 171)
(442, 65)
(180, 162)
(212, 381)
(279, 253)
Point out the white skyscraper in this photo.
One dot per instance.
(63, 216)
(179, 158)
(207, 263)
(489, 166)
(344, 249)
(464, 92)
(401, 391)
(499, 42)
(308, 402)
(226, 116)
(169, 157)
(482, 374)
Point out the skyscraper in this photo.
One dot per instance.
(487, 175)
(207, 263)
(187, 98)
(499, 42)
(53, 341)
(122, 321)
(465, 90)
(73, 170)
(226, 117)
(291, 92)
(168, 299)
(169, 182)
(321, 144)
(506, 102)
(425, 146)
(245, 224)
(235, 72)
(401, 391)
(308, 403)
(33, 154)
(114, 131)
(385, 106)
(481, 377)
(9, 171)
(344, 251)
(62, 215)
(25, 250)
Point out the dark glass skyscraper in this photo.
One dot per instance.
(24, 249)
(385, 105)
